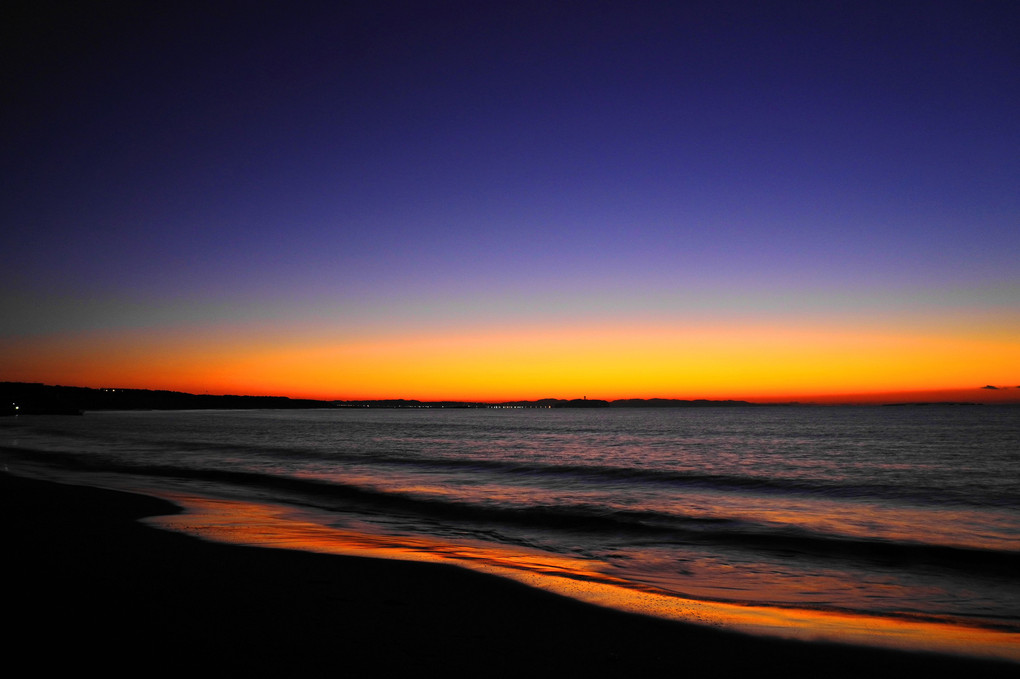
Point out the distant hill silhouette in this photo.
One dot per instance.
(547, 403)
(33, 398)
(407, 403)
(675, 403)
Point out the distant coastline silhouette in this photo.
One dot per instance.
(24, 398)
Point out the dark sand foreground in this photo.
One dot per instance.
(88, 587)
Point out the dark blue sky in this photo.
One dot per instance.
(374, 161)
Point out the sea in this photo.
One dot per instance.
(877, 525)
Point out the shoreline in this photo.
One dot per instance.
(104, 587)
(257, 524)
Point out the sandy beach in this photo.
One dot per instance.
(88, 586)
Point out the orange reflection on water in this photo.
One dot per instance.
(277, 526)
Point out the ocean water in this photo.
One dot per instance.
(888, 525)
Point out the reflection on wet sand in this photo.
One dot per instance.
(269, 525)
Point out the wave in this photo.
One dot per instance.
(633, 526)
(836, 489)
(636, 525)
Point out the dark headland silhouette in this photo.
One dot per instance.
(18, 398)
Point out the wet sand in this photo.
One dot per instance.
(88, 587)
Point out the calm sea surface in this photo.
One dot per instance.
(892, 515)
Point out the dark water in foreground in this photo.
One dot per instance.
(899, 523)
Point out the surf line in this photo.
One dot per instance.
(279, 526)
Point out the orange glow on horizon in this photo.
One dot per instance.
(712, 361)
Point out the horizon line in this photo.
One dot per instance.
(987, 394)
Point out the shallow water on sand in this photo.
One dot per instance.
(900, 522)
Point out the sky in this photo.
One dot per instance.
(506, 200)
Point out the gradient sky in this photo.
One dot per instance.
(513, 200)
